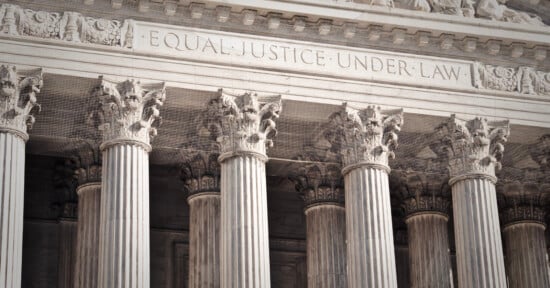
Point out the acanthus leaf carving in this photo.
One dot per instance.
(18, 99)
(523, 201)
(200, 169)
(364, 135)
(421, 192)
(473, 146)
(128, 111)
(243, 123)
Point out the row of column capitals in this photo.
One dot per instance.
(127, 112)
(364, 137)
(473, 147)
(242, 124)
(18, 100)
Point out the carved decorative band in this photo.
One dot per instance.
(206, 183)
(87, 187)
(21, 134)
(241, 153)
(323, 195)
(378, 166)
(467, 176)
(203, 194)
(426, 204)
(522, 214)
(121, 141)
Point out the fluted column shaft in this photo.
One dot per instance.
(12, 171)
(429, 259)
(370, 249)
(526, 261)
(87, 251)
(67, 257)
(124, 225)
(326, 246)
(244, 224)
(479, 254)
(204, 240)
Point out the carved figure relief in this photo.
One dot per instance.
(525, 80)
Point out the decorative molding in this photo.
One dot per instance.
(473, 147)
(523, 80)
(200, 169)
(317, 182)
(127, 112)
(364, 136)
(18, 100)
(243, 123)
(426, 204)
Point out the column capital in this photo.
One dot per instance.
(422, 193)
(127, 112)
(243, 124)
(18, 99)
(523, 202)
(87, 162)
(541, 152)
(318, 183)
(364, 136)
(200, 169)
(474, 147)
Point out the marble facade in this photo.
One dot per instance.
(156, 143)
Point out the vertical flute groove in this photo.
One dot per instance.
(368, 225)
(124, 224)
(12, 171)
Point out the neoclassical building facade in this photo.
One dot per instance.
(255, 144)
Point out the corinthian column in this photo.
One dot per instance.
(365, 139)
(88, 175)
(201, 175)
(127, 119)
(321, 187)
(474, 148)
(243, 125)
(17, 103)
(523, 213)
(426, 204)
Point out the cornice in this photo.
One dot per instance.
(344, 23)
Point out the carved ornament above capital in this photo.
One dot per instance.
(364, 136)
(318, 183)
(474, 147)
(200, 169)
(243, 124)
(18, 100)
(127, 112)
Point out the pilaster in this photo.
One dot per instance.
(244, 126)
(127, 116)
(17, 104)
(321, 187)
(365, 139)
(474, 149)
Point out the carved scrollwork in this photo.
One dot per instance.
(18, 99)
(364, 136)
(127, 111)
(524, 80)
(200, 170)
(243, 123)
(318, 182)
(473, 147)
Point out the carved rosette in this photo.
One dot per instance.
(474, 147)
(319, 183)
(523, 202)
(421, 193)
(243, 124)
(127, 112)
(200, 171)
(364, 136)
(18, 100)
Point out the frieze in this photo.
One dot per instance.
(18, 100)
(364, 136)
(128, 112)
(524, 80)
(243, 123)
(473, 147)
